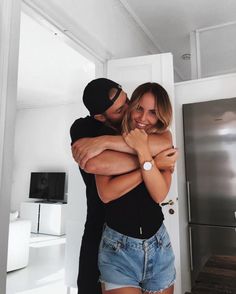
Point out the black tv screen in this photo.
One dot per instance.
(47, 185)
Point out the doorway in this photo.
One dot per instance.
(51, 77)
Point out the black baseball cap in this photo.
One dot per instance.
(96, 95)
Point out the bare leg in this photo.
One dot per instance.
(169, 290)
(127, 290)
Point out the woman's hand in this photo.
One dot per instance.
(137, 139)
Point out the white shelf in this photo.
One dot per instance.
(46, 218)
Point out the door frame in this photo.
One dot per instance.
(9, 50)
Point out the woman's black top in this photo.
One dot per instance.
(135, 214)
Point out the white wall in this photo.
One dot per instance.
(213, 88)
(42, 143)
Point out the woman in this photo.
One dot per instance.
(135, 254)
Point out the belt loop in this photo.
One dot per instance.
(124, 239)
(157, 239)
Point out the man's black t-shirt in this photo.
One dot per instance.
(88, 269)
(84, 128)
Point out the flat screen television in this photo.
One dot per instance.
(47, 186)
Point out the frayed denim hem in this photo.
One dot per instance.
(161, 290)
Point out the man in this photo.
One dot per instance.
(106, 102)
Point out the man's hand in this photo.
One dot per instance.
(87, 148)
(166, 160)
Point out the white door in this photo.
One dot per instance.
(131, 72)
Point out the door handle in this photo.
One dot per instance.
(170, 202)
(188, 199)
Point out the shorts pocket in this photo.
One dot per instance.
(110, 245)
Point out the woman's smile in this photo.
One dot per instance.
(144, 116)
(140, 125)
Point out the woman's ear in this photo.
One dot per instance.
(100, 117)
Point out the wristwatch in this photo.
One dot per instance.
(147, 165)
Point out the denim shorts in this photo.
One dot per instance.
(147, 264)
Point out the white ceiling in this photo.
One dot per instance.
(170, 22)
(124, 28)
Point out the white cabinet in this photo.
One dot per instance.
(46, 218)
(30, 210)
(52, 218)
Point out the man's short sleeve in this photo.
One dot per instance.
(84, 128)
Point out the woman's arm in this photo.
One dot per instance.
(157, 182)
(111, 188)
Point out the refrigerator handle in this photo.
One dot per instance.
(190, 249)
(188, 199)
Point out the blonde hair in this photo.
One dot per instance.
(163, 107)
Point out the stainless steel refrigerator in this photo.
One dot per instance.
(210, 163)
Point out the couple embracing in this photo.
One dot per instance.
(124, 150)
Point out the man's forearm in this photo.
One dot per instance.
(112, 163)
(159, 142)
(117, 143)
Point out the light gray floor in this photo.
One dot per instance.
(45, 271)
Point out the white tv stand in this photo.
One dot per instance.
(46, 218)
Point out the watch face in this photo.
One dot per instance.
(147, 165)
